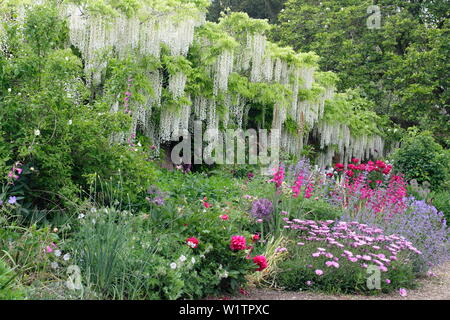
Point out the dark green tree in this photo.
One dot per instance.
(258, 9)
(401, 66)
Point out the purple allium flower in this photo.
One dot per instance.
(159, 201)
(261, 209)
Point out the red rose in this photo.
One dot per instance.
(192, 242)
(351, 166)
(355, 160)
(261, 261)
(224, 217)
(350, 173)
(255, 237)
(205, 204)
(380, 164)
(339, 166)
(238, 243)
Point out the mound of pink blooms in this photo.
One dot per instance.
(356, 243)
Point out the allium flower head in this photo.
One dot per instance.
(261, 209)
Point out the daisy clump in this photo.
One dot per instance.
(347, 257)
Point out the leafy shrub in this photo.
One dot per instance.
(420, 157)
(319, 210)
(136, 257)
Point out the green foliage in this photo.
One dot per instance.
(238, 23)
(420, 157)
(257, 9)
(441, 200)
(8, 290)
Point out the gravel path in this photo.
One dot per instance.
(430, 288)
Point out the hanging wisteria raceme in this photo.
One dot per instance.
(307, 74)
(200, 107)
(222, 70)
(177, 83)
(278, 67)
(258, 46)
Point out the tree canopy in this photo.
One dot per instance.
(402, 66)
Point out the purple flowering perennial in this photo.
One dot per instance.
(262, 209)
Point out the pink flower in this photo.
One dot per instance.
(238, 243)
(261, 261)
(255, 237)
(388, 281)
(403, 292)
(192, 242)
(206, 204)
(278, 177)
(319, 272)
(48, 249)
(224, 217)
(309, 283)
